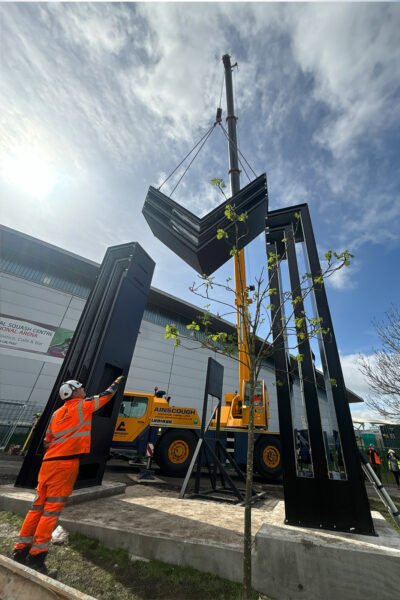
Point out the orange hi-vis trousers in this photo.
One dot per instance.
(55, 484)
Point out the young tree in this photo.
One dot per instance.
(383, 369)
(251, 344)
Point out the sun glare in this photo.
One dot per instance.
(31, 174)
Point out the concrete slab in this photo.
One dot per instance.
(18, 582)
(299, 563)
(288, 562)
(19, 500)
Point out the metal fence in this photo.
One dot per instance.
(15, 421)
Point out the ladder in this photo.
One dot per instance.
(380, 490)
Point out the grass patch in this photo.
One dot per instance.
(9, 518)
(377, 504)
(109, 574)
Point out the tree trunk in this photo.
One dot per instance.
(247, 542)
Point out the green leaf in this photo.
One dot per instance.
(221, 234)
(171, 331)
(218, 182)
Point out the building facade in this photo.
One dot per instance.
(43, 292)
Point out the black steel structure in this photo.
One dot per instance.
(194, 238)
(318, 501)
(101, 350)
(210, 452)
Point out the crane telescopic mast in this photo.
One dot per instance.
(239, 263)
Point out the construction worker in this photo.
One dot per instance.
(68, 436)
(394, 465)
(375, 460)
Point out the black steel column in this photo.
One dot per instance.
(101, 350)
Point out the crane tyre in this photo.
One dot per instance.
(267, 457)
(174, 452)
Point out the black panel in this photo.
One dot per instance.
(194, 239)
(215, 379)
(101, 349)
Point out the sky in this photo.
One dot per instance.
(101, 100)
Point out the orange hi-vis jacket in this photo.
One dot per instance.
(69, 432)
(374, 457)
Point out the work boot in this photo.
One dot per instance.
(36, 562)
(21, 554)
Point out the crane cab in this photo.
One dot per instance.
(235, 413)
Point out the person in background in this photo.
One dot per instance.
(68, 437)
(375, 460)
(394, 465)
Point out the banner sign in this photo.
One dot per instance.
(34, 337)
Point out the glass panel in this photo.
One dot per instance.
(258, 393)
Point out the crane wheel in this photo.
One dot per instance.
(267, 457)
(174, 452)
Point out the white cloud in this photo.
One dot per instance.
(353, 377)
(342, 280)
(127, 89)
(349, 49)
(357, 382)
(360, 411)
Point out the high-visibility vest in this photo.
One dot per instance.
(376, 456)
(69, 430)
(389, 465)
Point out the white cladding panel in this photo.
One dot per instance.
(28, 300)
(34, 302)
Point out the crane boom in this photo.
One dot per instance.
(239, 263)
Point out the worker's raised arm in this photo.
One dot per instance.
(49, 435)
(96, 402)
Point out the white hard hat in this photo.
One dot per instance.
(68, 387)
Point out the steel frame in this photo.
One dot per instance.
(318, 501)
(227, 491)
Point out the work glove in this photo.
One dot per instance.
(119, 379)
